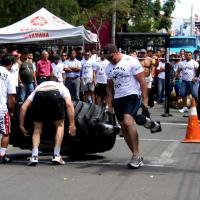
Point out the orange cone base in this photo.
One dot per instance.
(190, 141)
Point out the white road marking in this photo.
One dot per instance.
(153, 139)
(174, 124)
(166, 156)
(110, 163)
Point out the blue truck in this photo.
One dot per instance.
(189, 43)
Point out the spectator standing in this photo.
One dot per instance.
(43, 67)
(26, 76)
(57, 69)
(196, 55)
(15, 70)
(161, 80)
(7, 102)
(72, 73)
(99, 68)
(87, 78)
(188, 68)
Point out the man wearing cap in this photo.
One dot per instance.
(126, 85)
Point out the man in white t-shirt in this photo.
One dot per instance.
(188, 68)
(126, 79)
(161, 80)
(57, 69)
(72, 70)
(87, 78)
(48, 102)
(7, 95)
(100, 78)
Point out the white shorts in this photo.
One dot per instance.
(5, 124)
(149, 81)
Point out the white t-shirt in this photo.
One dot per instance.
(99, 68)
(94, 58)
(72, 63)
(161, 66)
(57, 70)
(189, 69)
(15, 72)
(50, 85)
(7, 86)
(122, 75)
(87, 70)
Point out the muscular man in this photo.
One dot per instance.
(147, 64)
(48, 101)
(7, 97)
(127, 86)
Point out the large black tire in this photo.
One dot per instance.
(92, 135)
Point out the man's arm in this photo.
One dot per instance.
(140, 78)
(110, 92)
(70, 112)
(11, 103)
(22, 115)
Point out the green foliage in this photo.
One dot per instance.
(145, 14)
(147, 17)
(12, 11)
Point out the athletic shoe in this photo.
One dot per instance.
(183, 110)
(57, 160)
(5, 159)
(135, 162)
(33, 161)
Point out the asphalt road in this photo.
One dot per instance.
(171, 170)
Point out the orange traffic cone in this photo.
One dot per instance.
(193, 129)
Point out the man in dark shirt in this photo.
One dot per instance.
(26, 77)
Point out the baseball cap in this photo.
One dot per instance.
(143, 51)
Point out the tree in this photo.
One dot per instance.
(12, 11)
(99, 11)
(146, 15)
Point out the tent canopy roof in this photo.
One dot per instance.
(44, 27)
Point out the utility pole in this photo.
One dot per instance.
(114, 16)
(191, 21)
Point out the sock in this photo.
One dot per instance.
(90, 99)
(3, 151)
(34, 152)
(56, 151)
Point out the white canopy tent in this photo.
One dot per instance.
(44, 27)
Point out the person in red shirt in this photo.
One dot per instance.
(43, 67)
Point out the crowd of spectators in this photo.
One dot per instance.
(83, 73)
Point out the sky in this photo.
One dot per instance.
(182, 12)
(183, 8)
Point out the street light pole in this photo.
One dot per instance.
(114, 16)
(191, 21)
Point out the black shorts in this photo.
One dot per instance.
(48, 106)
(100, 89)
(126, 105)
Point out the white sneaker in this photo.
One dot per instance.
(135, 162)
(57, 160)
(183, 110)
(33, 161)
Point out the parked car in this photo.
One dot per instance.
(96, 131)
